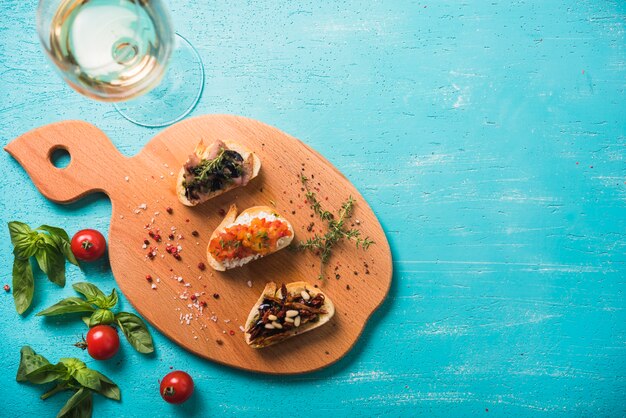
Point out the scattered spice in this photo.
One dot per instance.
(7, 288)
(169, 210)
(219, 342)
(216, 295)
(194, 233)
(149, 278)
(201, 266)
(231, 332)
(347, 287)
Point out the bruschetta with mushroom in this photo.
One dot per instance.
(215, 169)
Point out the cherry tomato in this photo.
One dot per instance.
(176, 387)
(102, 342)
(88, 245)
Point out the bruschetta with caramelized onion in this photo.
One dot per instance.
(282, 313)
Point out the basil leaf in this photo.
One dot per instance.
(29, 362)
(69, 305)
(23, 239)
(135, 331)
(101, 316)
(85, 320)
(108, 388)
(111, 300)
(47, 373)
(23, 284)
(52, 263)
(18, 229)
(54, 231)
(91, 292)
(80, 405)
(73, 365)
(88, 378)
(62, 241)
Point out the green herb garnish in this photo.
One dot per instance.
(323, 245)
(99, 305)
(68, 374)
(50, 246)
(206, 167)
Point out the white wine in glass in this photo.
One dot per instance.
(123, 51)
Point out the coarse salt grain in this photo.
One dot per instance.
(153, 286)
(126, 178)
(249, 283)
(143, 206)
(242, 328)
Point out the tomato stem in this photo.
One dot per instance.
(86, 244)
(81, 344)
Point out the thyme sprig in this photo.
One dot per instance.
(337, 230)
(207, 167)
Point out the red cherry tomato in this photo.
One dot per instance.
(176, 387)
(102, 342)
(88, 245)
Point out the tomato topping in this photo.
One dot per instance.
(240, 241)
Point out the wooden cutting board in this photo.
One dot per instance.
(141, 189)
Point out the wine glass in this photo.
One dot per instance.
(123, 51)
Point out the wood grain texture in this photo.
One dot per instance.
(141, 190)
(461, 123)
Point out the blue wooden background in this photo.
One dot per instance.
(488, 136)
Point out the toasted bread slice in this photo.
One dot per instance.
(251, 165)
(258, 335)
(245, 218)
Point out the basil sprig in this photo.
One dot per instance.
(50, 246)
(68, 374)
(99, 305)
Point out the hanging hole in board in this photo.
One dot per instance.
(60, 157)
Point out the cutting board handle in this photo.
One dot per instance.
(95, 165)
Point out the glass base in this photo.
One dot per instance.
(176, 95)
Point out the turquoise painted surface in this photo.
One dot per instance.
(489, 138)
